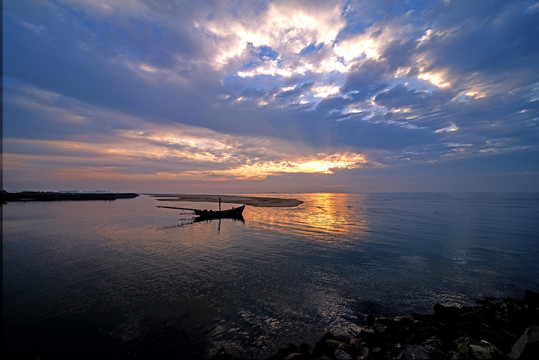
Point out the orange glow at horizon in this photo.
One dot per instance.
(324, 164)
(193, 156)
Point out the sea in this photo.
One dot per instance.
(125, 279)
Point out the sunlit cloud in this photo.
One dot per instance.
(368, 45)
(178, 151)
(272, 68)
(436, 78)
(321, 163)
(326, 90)
(285, 27)
(475, 94)
(148, 68)
(448, 129)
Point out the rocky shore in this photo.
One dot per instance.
(492, 329)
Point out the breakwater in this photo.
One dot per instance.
(492, 329)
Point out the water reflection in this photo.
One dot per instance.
(121, 277)
(334, 220)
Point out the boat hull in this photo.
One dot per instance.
(210, 214)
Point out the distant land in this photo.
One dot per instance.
(62, 196)
(247, 200)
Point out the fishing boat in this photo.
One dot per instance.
(220, 214)
(234, 213)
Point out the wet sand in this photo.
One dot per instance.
(233, 199)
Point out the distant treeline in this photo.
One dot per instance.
(61, 196)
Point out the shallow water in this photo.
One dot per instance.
(125, 279)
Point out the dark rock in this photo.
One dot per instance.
(474, 315)
(222, 354)
(446, 314)
(527, 346)
(365, 352)
(343, 338)
(366, 335)
(325, 346)
(342, 355)
(385, 320)
(423, 333)
(285, 351)
(533, 314)
(296, 356)
(414, 352)
(380, 328)
(335, 344)
(404, 321)
(305, 349)
(487, 331)
(469, 348)
(434, 345)
(531, 297)
(424, 317)
(485, 302)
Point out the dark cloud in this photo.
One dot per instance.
(495, 39)
(367, 78)
(400, 96)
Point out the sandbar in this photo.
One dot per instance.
(233, 199)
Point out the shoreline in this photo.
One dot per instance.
(32, 196)
(232, 199)
(492, 329)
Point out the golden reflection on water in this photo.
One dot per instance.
(334, 219)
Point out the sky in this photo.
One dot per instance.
(271, 96)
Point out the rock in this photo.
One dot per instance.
(326, 346)
(342, 355)
(380, 328)
(485, 351)
(403, 321)
(365, 352)
(222, 354)
(446, 314)
(385, 320)
(531, 297)
(432, 349)
(423, 317)
(335, 344)
(295, 356)
(285, 351)
(305, 349)
(435, 349)
(533, 314)
(414, 352)
(508, 327)
(469, 348)
(527, 346)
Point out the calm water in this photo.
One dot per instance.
(126, 279)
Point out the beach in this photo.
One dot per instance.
(233, 199)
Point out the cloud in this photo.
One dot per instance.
(284, 27)
(128, 145)
(186, 90)
(449, 128)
